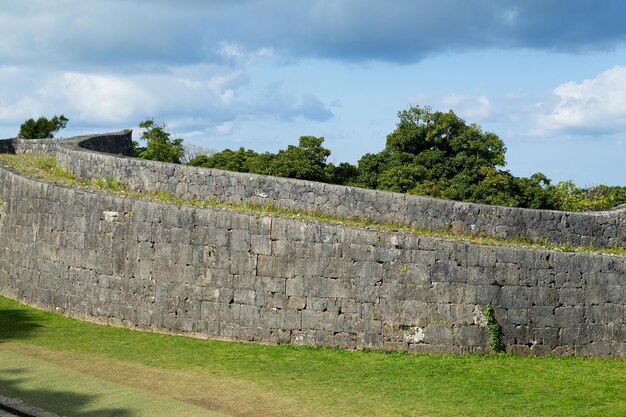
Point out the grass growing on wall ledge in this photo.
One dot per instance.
(260, 380)
(46, 168)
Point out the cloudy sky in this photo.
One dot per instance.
(549, 77)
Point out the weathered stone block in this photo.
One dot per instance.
(296, 303)
(571, 296)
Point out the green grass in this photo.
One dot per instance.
(70, 393)
(45, 167)
(323, 381)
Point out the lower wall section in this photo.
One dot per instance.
(245, 277)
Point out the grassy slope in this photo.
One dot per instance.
(250, 379)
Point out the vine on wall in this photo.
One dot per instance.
(495, 330)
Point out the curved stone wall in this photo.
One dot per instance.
(218, 273)
(598, 228)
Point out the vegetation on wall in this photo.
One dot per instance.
(494, 329)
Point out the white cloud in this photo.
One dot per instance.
(225, 128)
(467, 106)
(207, 98)
(595, 105)
(238, 53)
(101, 98)
(204, 92)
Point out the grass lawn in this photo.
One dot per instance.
(258, 380)
(74, 393)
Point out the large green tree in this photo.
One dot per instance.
(159, 145)
(438, 154)
(42, 128)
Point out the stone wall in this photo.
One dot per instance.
(116, 143)
(238, 276)
(36, 146)
(6, 146)
(599, 228)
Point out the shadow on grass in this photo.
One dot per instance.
(17, 324)
(65, 403)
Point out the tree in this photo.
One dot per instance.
(193, 151)
(432, 153)
(440, 155)
(239, 160)
(159, 145)
(42, 128)
(307, 161)
(344, 173)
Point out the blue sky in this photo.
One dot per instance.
(549, 77)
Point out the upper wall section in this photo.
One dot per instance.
(600, 228)
(38, 146)
(117, 143)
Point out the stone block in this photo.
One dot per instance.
(296, 303)
(437, 334)
(320, 304)
(571, 296)
(540, 350)
(270, 266)
(595, 294)
(243, 263)
(569, 316)
(244, 296)
(470, 335)
(261, 244)
(487, 294)
(518, 315)
(276, 301)
(542, 316)
(516, 297)
(616, 294)
(295, 287)
(271, 285)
